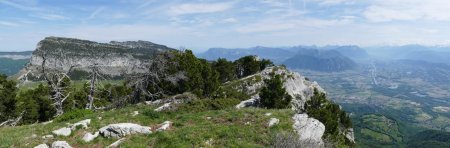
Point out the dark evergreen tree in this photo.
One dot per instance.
(274, 95)
(8, 100)
(226, 70)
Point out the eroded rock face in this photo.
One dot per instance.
(123, 129)
(310, 130)
(61, 144)
(114, 58)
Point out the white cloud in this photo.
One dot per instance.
(408, 10)
(52, 17)
(20, 6)
(184, 9)
(287, 25)
(230, 20)
(9, 24)
(334, 2)
(95, 13)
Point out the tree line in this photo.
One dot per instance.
(168, 74)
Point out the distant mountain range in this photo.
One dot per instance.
(327, 59)
(435, 54)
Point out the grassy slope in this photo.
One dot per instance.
(226, 128)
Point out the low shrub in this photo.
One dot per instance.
(208, 104)
(73, 114)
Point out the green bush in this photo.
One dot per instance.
(208, 104)
(73, 114)
(151, 113)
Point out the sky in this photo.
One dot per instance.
(203, 24)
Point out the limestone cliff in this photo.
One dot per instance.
(113, 59)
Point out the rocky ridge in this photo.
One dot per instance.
(309, 130)
(112, 59)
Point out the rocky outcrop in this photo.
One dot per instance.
(123, 129)
(310, 130)
(296, 85)
(113, 59)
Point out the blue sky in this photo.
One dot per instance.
(202, 24)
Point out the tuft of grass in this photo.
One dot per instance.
(73, 114)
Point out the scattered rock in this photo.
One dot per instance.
(62, 132)
(99, 118)
(135, 113)
(88, 137)
(309, 130)
(273, 121)
(209, 142)
(117, 143)
(209, 118)
(247, 123)
(252, 102)
(268, 114)
(60, 144)
(84, 124)
(164, 107)
(47, 137)
(42, 146)
(166, 125)
(123, 129)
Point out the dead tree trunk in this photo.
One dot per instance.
(94, 75)
(57, 85)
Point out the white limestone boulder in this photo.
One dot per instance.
(273, 121)
(123, 129)
(83, 124)
(61, 144)
(88, 137)
(62, 132)
(309, 130)
(164, 126)
(42, 146)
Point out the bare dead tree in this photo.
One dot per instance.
(95, 75)
(13, 122)
(56, 82)
(156, 73)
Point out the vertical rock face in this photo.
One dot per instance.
(114, 58)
